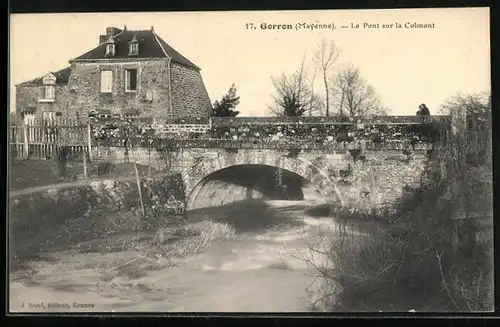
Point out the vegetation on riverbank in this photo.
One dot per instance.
(133, 251)
(425, 259)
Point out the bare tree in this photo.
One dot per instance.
(294, 94)
(325, 57)
(315, 101)
(354, 96)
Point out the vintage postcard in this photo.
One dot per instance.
(272, 161)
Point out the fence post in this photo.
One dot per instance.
(25, 148)
(84, 161)
(141, 201)
(89, 136)
(84, 153)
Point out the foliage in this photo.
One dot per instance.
(445, 264)
(225, 107)
(167, 152)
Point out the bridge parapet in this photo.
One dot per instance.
(332, 120)
(294, 144)
(379, 133)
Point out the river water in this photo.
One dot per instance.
(260, 271)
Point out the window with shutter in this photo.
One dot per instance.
(106, 81)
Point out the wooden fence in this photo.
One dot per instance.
(41, 140)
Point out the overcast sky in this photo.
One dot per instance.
(405, 66)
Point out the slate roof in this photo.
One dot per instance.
(62, 78)
(150, 46)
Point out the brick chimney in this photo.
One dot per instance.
(109, 32)
(112, 31)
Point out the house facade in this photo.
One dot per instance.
(130, 73)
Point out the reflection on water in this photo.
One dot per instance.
(259, 271)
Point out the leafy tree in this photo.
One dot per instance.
(225, 107)
(292, 107)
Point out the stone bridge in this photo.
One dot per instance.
(217, 176)
(217, 172)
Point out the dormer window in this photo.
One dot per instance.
(110, 49)
(134, 49)
(133, 46)
(49, 88)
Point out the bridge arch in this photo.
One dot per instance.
(317, 176)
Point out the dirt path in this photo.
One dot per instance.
(257, 272)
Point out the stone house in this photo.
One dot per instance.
(130, 73)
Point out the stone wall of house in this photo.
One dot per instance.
(153, 76)
(29, 95)
(189, 95)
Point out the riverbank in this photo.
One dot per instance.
(260, 269)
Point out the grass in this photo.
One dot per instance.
(32, 173)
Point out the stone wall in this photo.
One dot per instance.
(183, 128)
(141, 156)
(153, 76)
(380, 180)
(29, 95)
(189, 95)
(374, 181)
(55, 216)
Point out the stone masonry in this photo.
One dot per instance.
(28, 97)
(154, 77)
(168, 85)
(377, 180)
(189, 95)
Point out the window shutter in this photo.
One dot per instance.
(106, 81)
